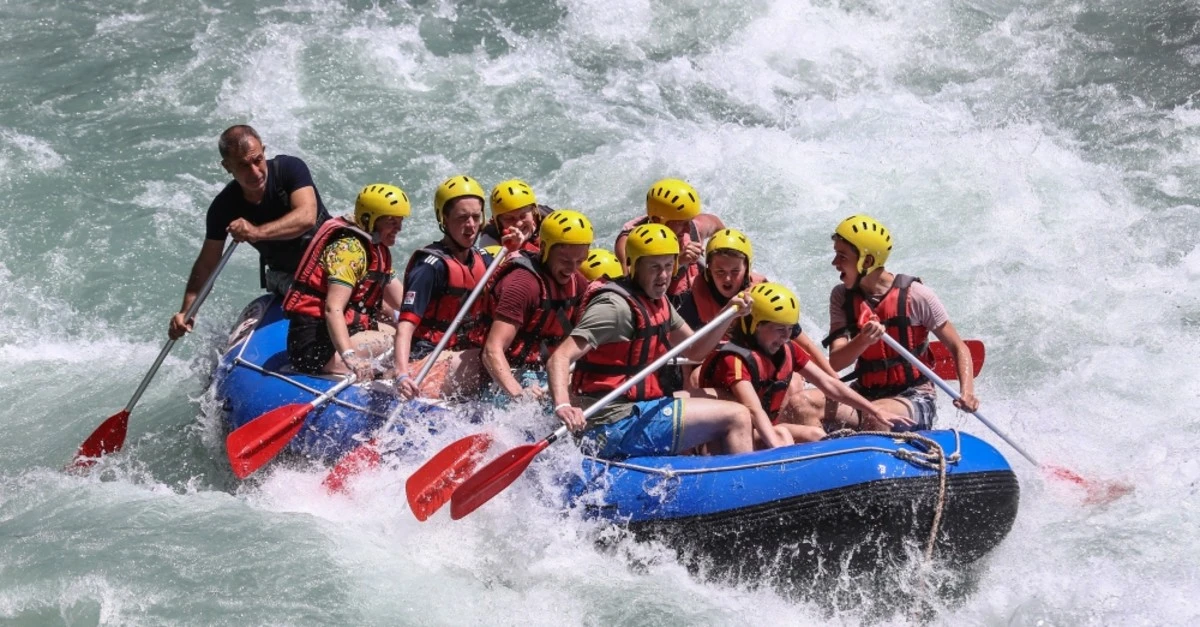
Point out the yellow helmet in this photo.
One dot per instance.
(452, 189)
(601, 263)
(378, 200)
(565, 227)
(649, 240)
(511, 195)
(672, 199)
(730, 239)
(772, 303)
(869, 237)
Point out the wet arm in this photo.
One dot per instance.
(202, 268)
(815, 353)
(499, 338)
(558, 367)
(743, 391)
(294, 223)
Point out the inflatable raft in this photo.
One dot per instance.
(858, 499)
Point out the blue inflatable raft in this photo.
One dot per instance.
(859, 499)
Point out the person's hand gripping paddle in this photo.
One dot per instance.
(1097, 492)
(109, 437)
(456, 458)
(501, 472)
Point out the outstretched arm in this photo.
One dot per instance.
(500, 337)
(743, 391)
(833, 388)
(202, 268)
(558, 370)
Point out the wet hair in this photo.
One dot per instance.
(235, 138)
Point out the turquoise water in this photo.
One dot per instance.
(1037, 162)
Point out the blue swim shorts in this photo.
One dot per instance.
(652, 427)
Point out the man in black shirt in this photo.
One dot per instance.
(272, 204)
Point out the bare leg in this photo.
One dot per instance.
(803, 433)
(841, 416)
(454, 374)
(370, 344)
(705, 420)
(801, 406)
(780, 430)
(465, 374)
(891, 405)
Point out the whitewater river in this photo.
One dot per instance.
(1038, 163)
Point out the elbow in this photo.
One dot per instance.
(838, 362)
(492, 357)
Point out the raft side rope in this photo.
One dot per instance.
(241, 361)
(934, 458)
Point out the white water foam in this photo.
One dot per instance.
(962, 126)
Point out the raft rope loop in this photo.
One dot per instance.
(241, 361)
(933, 457)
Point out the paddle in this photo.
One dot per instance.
(257, 442)
(367, 455)
(109, 437)
(1097, 492)
(501, 472)
(943, 361)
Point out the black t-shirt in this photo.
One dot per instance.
(285, 175)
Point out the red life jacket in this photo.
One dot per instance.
(607, 366)
(768, 374)
(443, 307)
(307, 294)
(550, 324)
(686, 277)
(881, 371)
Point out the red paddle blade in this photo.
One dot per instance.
(109, 437)
(1098, 492)
(492, 479)
(432, 484)
(943, 361)
(257, 442)
(364, 457)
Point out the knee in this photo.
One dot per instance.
(804, 402)
(739, 417)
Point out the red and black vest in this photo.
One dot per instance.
(607, 366)
(443, 307)
(307, 294)
(685, 277)
(550, 323)
(769, 374)
(881, 371)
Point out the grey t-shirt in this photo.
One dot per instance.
(609, 319)
(927, 311)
